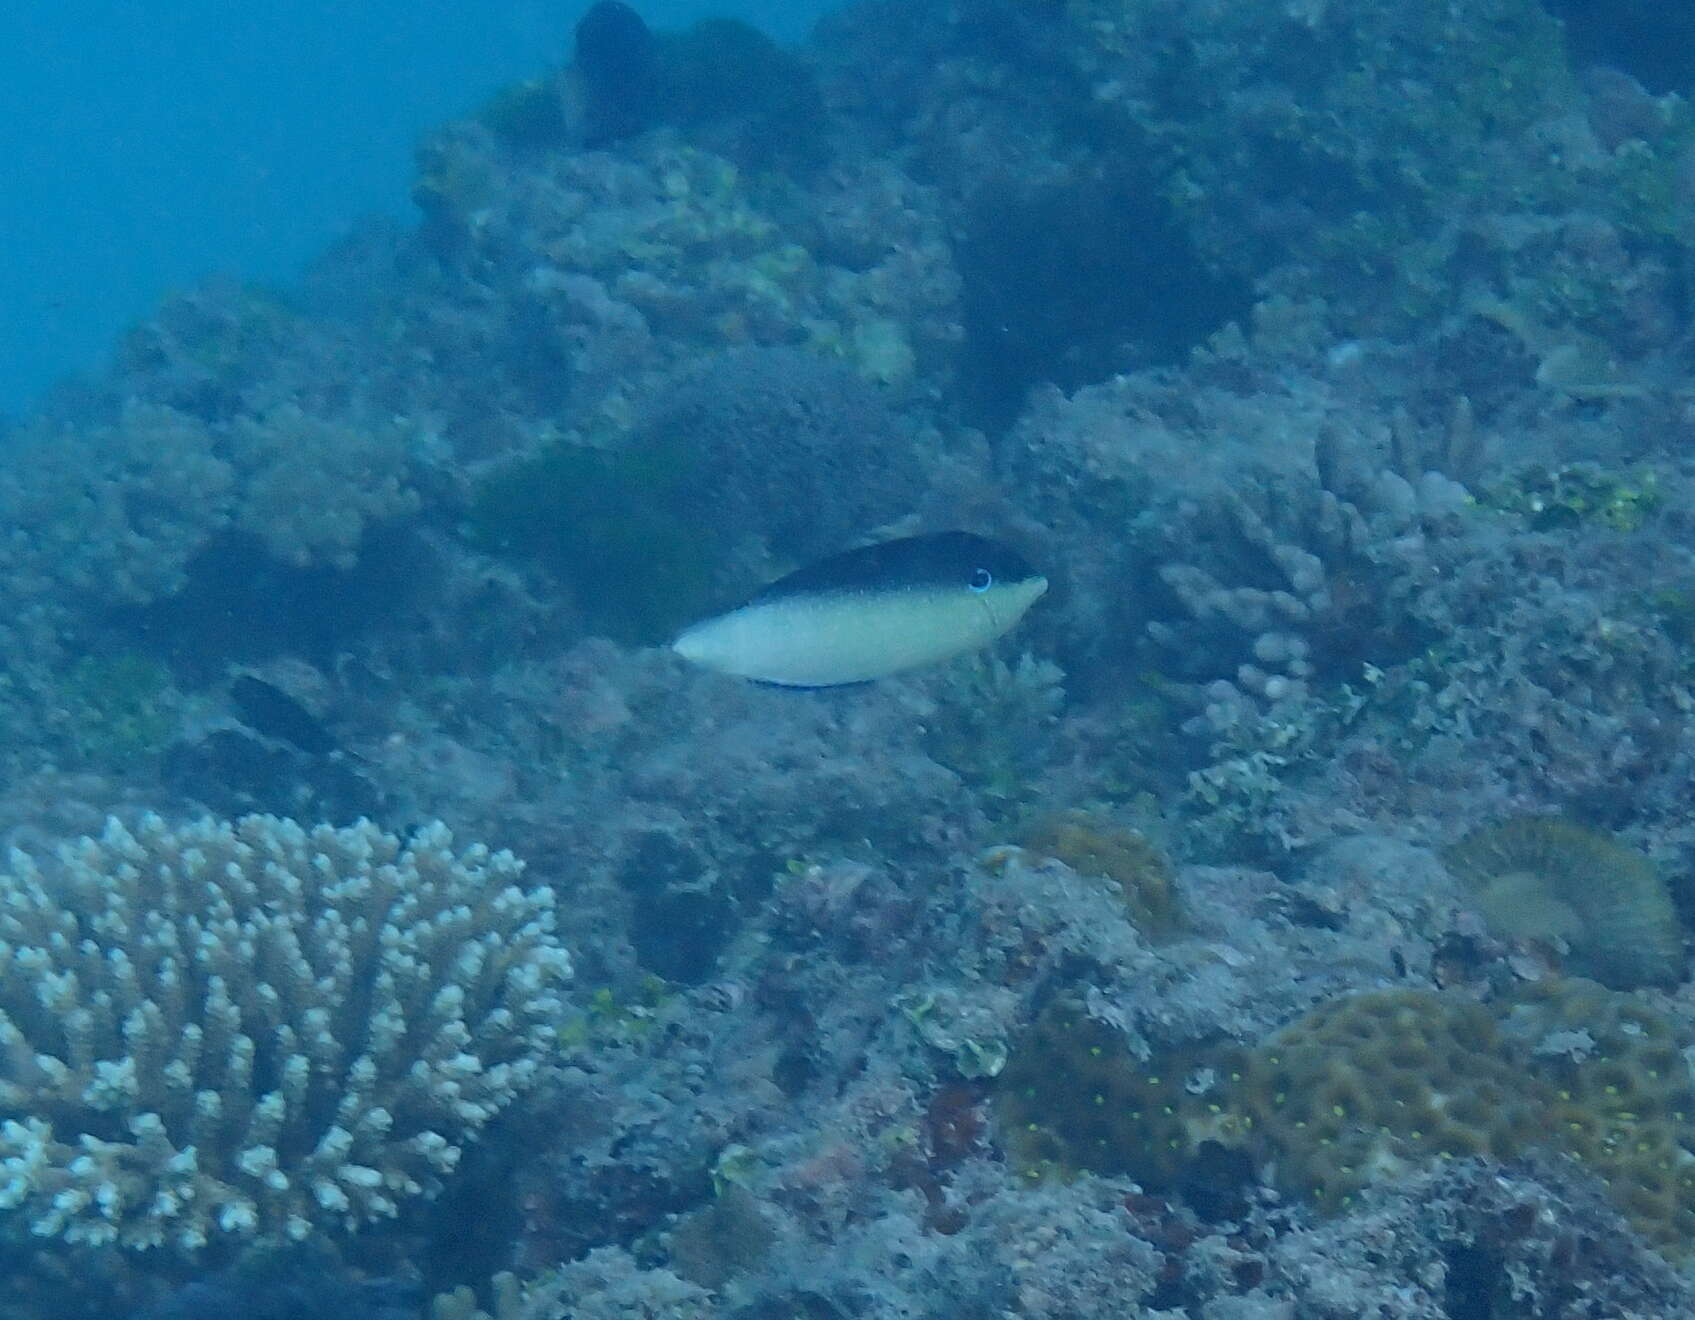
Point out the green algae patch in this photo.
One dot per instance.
(615, 525)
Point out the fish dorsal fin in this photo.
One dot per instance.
(940, 559)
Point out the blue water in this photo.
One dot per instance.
(148, 146)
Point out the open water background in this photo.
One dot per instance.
(145, 147)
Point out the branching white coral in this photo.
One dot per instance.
(256, 1027)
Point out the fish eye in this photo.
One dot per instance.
(982, 580)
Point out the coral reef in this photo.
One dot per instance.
(1262, 606)
(284, 460)
(1394, 233)
(1352, 614)
(1109, 1113)
(725, 81)
(1622, 1099)
(145, 513)
(757, 452)
(721, 81)
(1065, 282)
(1653, 44)
(627, 268)
(1367, 1088)
(1465, 1239)
(1333, 360)
(147, 492)
(993, 722)
(598, 518)
(227, 1029)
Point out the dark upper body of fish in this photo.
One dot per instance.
(870, 612)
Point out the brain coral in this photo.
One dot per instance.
(1373, 1085)
(790, 446)
(256, 1027)
(1619, 1097)
(1544, 878)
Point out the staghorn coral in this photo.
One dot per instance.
(223, 1029)
(1543, 878)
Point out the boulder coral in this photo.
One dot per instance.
(1368, 1089)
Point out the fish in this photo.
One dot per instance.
(870, 612)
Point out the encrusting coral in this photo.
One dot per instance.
(1093, 845)
(1366, 1089)
(233, 1028)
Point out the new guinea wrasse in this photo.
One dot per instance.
(870, 612)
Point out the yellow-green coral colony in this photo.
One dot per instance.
(1371, 1086)
(1542, 878)
(1093, 845)
(1075, 1097)
(1626, 1108)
